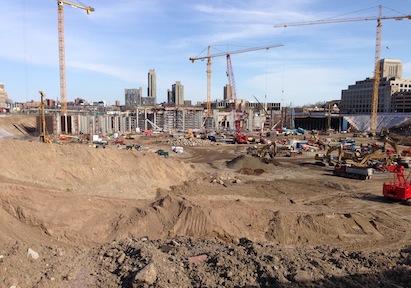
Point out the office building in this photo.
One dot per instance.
(133, 97)
(357, 99)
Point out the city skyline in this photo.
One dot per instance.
(113, 48)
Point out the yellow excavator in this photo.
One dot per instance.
(268, 150)
(322, 158)
(398, 157)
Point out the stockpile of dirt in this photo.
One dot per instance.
(404, 129)
(84, 170)
(402, 133)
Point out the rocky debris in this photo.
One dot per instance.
(190, 262)
(32, 254)
(188, 142)
(224, 180)
(147, 275)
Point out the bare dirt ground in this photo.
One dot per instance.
(77, 216)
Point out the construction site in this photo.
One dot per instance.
(162, 196)
(183, 209)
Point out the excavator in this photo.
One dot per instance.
(268, 150)
(328, 157)
(401, 158)
(343, 155)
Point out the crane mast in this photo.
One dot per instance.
(210, 56)
(239, 136)
(376, 80)
(62, 54)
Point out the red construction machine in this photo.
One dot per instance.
(400, 187)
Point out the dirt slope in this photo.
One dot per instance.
(97, 217)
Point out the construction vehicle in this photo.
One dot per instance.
(400, 187)
(240, 137)
(131, 136)
(375, 160)
(322, 158)
(348, 171)
(406, 152)
(119, 142)
(268, 150)
(69, 137)
(343, 155)
(161, 152)
(134, 147)
(400, 158)
(376, 79)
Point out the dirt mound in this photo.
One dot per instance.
(84, 170)
(250, 171)
(402, 133)
(404, 129)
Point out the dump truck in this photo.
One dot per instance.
(348, 171)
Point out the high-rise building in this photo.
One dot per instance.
(178, 93)
(228, 92)
(133, 97)
(3, 97)
(390, 68)
(152, 84)
(175, 96)
(357, 99)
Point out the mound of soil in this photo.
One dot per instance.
(85, 170)
(402, 133)
(250, 171)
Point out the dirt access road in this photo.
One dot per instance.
(76, 216)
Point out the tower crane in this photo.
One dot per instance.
(62, 56)
(376, 80)
(210, 56)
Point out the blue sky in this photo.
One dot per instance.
(115, 47)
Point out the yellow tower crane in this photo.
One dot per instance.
(376, 80)
(210, 56)
(62, 55)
